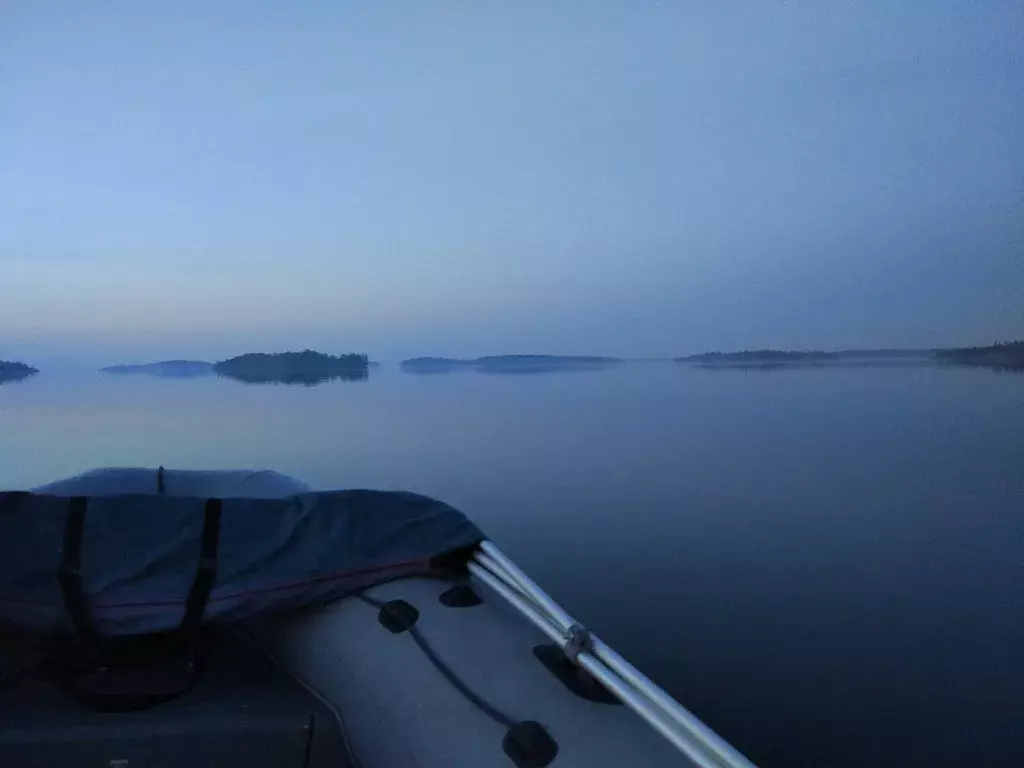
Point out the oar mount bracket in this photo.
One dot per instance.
(577, 641)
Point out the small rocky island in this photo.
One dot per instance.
(509, 363)
(12, 371)
(306, 368)
(183, 369)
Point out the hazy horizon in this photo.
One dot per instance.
(634, 180)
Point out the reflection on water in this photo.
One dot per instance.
(14, 378)
(164, 374)
(1010, 366)
(893, 362)
(196, 372)
(577, 368)
(11, 372)
(823, 563)
(297, 379)
(782, 366)
(503, 370)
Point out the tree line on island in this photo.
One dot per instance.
(306, 367)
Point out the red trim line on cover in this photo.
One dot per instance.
(241, 593)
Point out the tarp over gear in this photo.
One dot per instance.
(131, 548)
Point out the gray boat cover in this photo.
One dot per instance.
(140, 550)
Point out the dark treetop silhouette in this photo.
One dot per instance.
(306, 367)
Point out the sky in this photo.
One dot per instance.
(194, 179)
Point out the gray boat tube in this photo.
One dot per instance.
(673, 721)
(426, 681)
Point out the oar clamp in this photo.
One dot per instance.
(577, 641)
(596, 659)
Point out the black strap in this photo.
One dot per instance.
(206, 572)
(122, 674)
(69, 572)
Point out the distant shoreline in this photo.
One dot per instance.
(310, 367)
(1006, 355)
(509, 363)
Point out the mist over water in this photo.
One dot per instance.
(824, 564)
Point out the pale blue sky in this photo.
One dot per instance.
(187, 178)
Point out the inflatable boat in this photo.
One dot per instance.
(239, 618)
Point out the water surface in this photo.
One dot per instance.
(825, 564)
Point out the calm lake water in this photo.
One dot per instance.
(826, 565)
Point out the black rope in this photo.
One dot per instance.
(456, 682)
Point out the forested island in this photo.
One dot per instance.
(307, 367)
(184, 369)
(509, 363)
(1006, 355)
(13, 371)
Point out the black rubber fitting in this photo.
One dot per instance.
(529, 745)
(397, 616)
